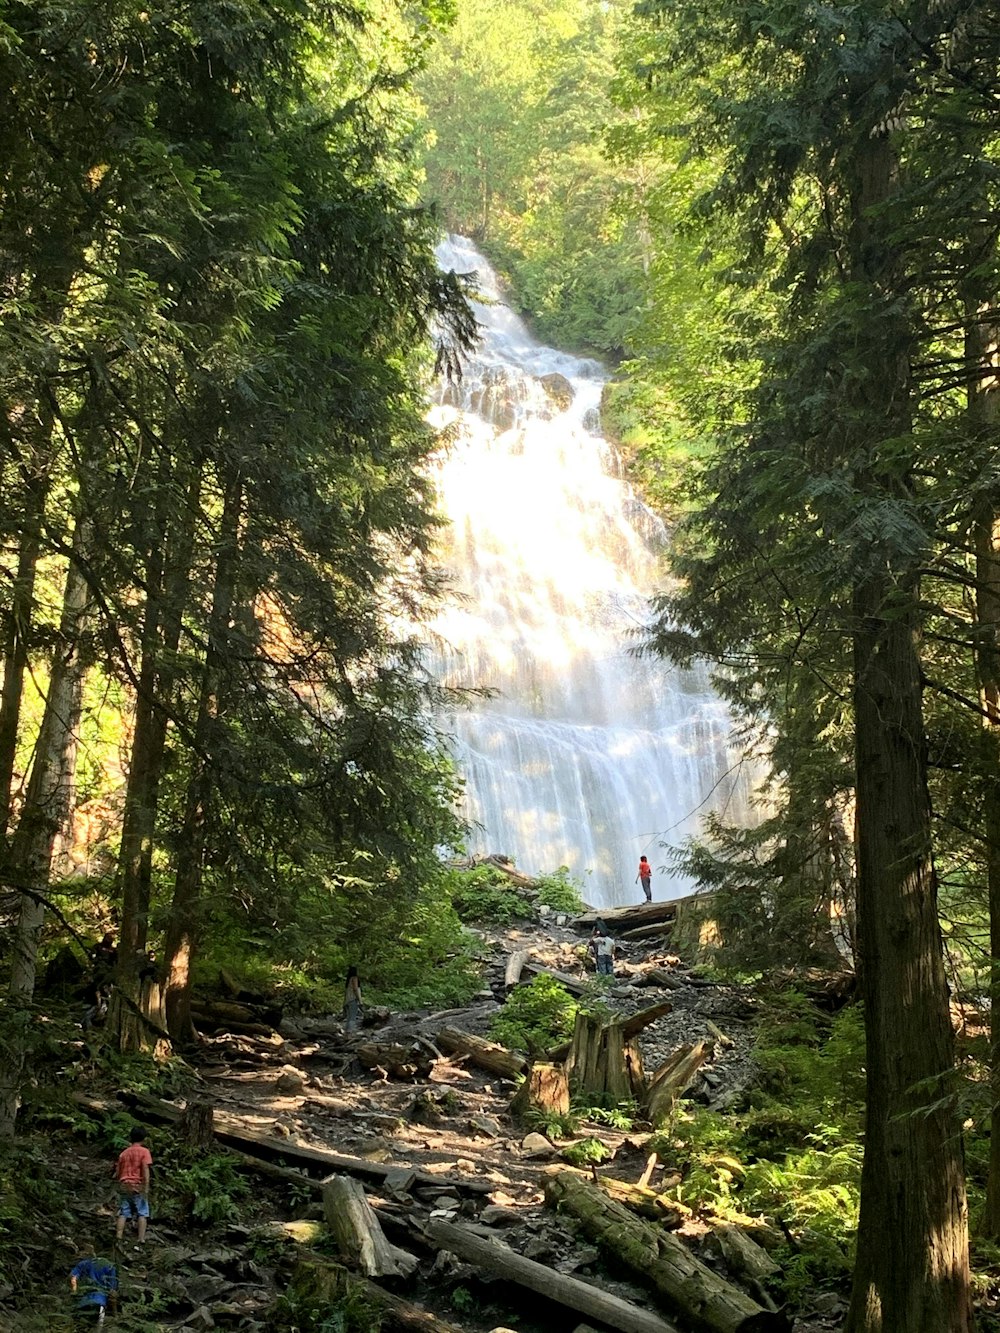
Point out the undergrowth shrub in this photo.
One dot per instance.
(208, 1188)
(794, 1153)
(560, 892)
(485, 895)
(536, 1017)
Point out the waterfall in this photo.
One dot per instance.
(585, 755)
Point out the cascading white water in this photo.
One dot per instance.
(586, 756)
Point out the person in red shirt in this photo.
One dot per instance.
(646, 875)
(132, 1175)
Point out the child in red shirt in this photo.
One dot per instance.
(132, 1175)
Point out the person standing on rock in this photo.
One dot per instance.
(646, 876)
(604, 952)
(352, 1001)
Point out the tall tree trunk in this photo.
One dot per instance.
(912, 1268)
(182, 930)
(15, 648)
(166, 598)
(44, 815)
(982, 352)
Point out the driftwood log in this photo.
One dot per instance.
(704, 1299)
(359, 1238)
(494, 1257)
(486, 1054)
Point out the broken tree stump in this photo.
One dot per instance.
(601, 1063)
(545, 1089)
(701, 1296)
(196, 1127)
(358, 1234)
(494, 1257)
(673, 1078)
(486, 1054)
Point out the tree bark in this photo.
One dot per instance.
(912, 1268)
(697, 1294)
(545, 1090)
(982, 354)
(493, 1257)
(167, 579)
(15, 649)
(182, 926)
(486, 1054)
(45, 810)
(358, 1234)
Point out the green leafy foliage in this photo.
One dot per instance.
(207, 1189)
(794, 1154)
(485, 895)
(586, 1152)
(560, 892)
(536, 1017)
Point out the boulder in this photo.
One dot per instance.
(537, 1145)
(290, 1082)
(558, 390)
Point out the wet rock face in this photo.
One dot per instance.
(558, 390)
(497, 400)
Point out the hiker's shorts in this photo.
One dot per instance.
(133, 1205)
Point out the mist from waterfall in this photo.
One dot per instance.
(586, 756)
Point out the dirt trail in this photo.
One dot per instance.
(306, 1086)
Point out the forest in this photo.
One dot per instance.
(224, 775)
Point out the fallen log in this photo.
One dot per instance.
(634, 1025)
(647, 932)
(575, 985)
(486, 1054)
(746, 1259)
(499, 1259)
(624, 918)
(659, 976)
(515, 966)
(639, 1198)
(699, 1295)
(670, 1082)
(219, 1013)
(357, 1233)
(252, 1144)
(544, 1090)
(395, 1059)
